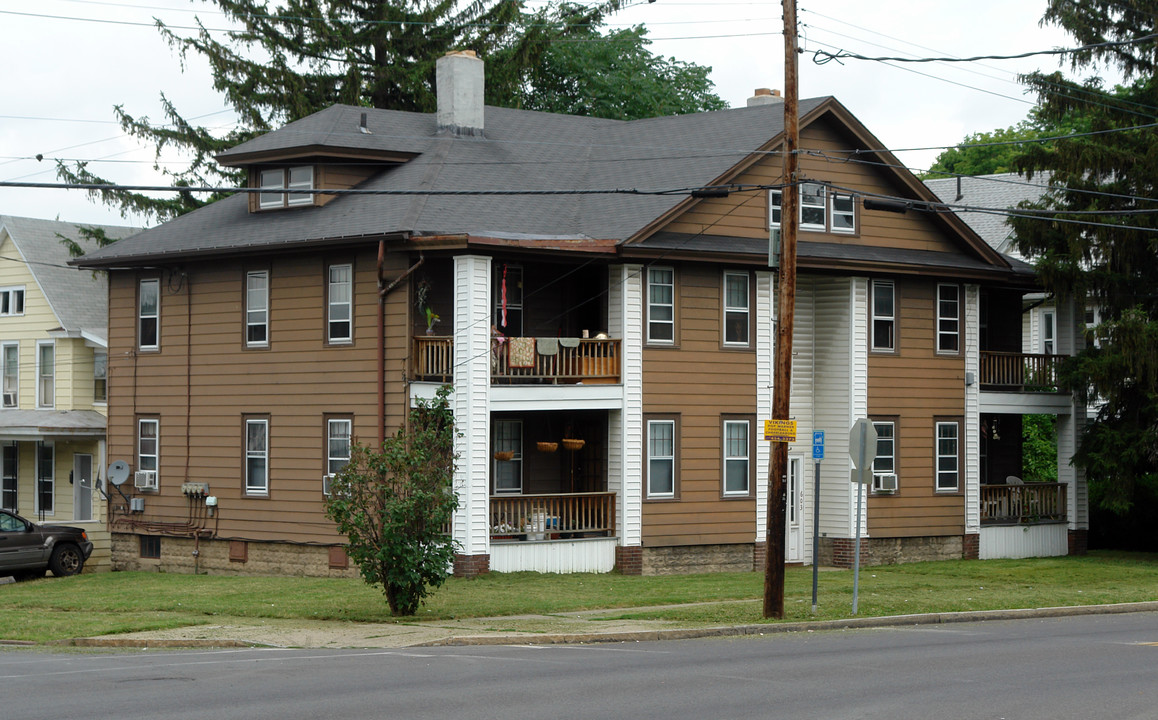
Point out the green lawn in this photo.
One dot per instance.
(105, 603)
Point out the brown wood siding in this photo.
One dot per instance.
(915, 385)
(746, 214)
(341, 177)
(700, 382)
(296, 382)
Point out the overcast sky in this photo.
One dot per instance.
(66, 63)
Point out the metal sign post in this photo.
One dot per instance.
(817, 456)
(862, 447)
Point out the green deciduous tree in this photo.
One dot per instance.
(395, 506)
(987, 153)
(291, 58)
(1107, 254)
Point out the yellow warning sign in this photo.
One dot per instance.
(780, 430)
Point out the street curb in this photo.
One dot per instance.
(653, 635)
(801, 626)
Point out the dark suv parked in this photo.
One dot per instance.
(28, 549)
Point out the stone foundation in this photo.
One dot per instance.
(759, 556)
(468, 566)
(629, 560)
(696, 559)
(841, 552)
(231, 557)
(1079, 542)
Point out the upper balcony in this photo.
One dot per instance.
(518, 360)
(1021, 372)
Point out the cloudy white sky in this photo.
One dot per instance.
(66, 63)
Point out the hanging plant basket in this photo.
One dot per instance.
(573, 444)
(504, 455)
(547, 447)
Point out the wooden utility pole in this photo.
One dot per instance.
(786, 309)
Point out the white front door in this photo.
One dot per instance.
(794, 513)
(82, 487)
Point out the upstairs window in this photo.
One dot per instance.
(1048, 331)
(257, 308)
(821, 210)
(948, 319)
(293, 178)
(148, 314)
(339, 302)
(508, 443)
(884, 315)
(11, 371)
(661, 305)
(45, 374)
(736, 309)
(11, 301)
(100, 376)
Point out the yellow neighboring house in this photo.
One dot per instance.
(53, 371)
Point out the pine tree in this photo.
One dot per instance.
(1109, 257)
(291, 58)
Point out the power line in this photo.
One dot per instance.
(820, 57)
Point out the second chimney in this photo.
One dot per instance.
(764, 96)
(458, 78)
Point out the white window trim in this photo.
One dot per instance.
(270, 180)
(1048, 332)
(264, 309)
(331, 304)
(95, 377)
(746, 310)
(823, 207)
(40, 344)
(36, 509)
(672, 458)
(746, 457)
(893, 443)
(956, 319)
(141, 316)
(250, 487)
(956, 457)
(833, 213)
(156, 454)
(9, 476)
(516, 458)
(892, 319)
(270, 200)
(4, 371)
(330, 459)
(650, 304)
(293, 199)
(775, 207)
(11, 291)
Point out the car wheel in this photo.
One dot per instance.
(66, 560)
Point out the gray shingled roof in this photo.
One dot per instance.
(522, 150)
(1002, 190)
(25, 424)
(78, 297)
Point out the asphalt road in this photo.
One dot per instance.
(1100, 666)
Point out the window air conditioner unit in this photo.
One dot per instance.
(326, 484)
(885, 483)
(9, 399)
(145, 479)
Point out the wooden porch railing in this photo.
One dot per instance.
(579, 360)
(548, 516)
(1020, 371)
(1023, 504)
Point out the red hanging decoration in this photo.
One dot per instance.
(504, 321)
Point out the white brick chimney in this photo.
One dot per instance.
(458, 78)
(764, 96)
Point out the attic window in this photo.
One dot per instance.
(821, 210)
(293, 178)
(12, 301)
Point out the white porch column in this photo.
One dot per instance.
(1070, 341)
(472, 302)
(625, 459)
(972, 428)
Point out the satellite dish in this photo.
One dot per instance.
(118, 472)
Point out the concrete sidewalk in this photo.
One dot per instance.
(573, 628)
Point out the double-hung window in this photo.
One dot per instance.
(508, 444)
(948, 318)
(45, 374)
(148, 314)
(737, 457)
(45, 479)
(338, 432)
(257, 456)
(10, 357)
(885, 464)
(148, 436)
(293, 178)
(1048, 332)
(842, 218)
(736, 309)
(257, 308)
(661, 305)
(812, 206)
(884, 315)
(100, 376)
(948, 456)
(340, 304)
(821, 210)
(661, 459)
(11, 301)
